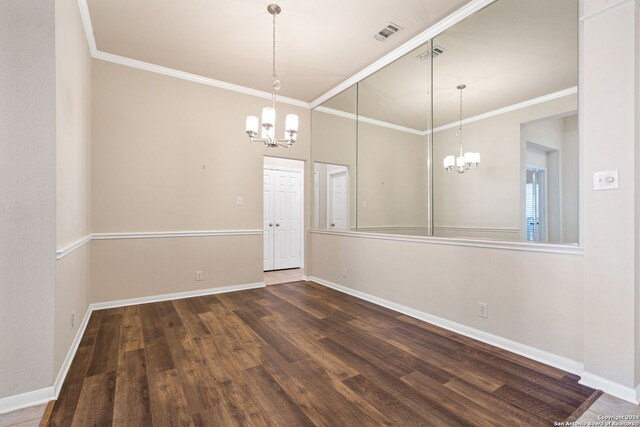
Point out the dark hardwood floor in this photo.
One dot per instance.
(299, 354)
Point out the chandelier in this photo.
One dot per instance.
(268, 129)
(466, 161)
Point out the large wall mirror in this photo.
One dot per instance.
(502, 84)
(334, 133)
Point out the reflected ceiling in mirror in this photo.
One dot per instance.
(510, 52)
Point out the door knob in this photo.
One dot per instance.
(333, 224)
(270, 225)
(277, 225)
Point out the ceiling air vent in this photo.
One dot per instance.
(437, 51)
(387, 31)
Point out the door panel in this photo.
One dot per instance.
(288, 219)
(338, 196)
(268, 219)
(282, 222)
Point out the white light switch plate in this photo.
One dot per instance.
(605, 180)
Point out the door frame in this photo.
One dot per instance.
(300, 167)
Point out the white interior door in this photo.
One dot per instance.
(282, 219)
(268, 219)
(337, 201)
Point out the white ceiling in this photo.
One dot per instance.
(509, 52)
(320, 43)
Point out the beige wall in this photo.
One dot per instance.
(392, 178)
(334, 142)
(172, 155)
(610, 134)
(489, 196)
(27, 195)
(73, 157)
(448, 281)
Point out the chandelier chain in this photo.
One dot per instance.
(460, 125)
(275, 77)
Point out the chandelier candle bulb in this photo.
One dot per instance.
(268, 117)
(449, 162)
(252, 125)
(291, 123)
(468, 157)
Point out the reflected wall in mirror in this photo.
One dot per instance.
(331, 185)
(394, 123)
(334, 135)
(518, 59)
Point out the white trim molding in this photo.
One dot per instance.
(421, 38)
(509, 108)
(171, 72)
(542, 356)
(618, 390)
(141, 65)
(504, 110)
(174, 296)
(470, 229)
(476, 243)
(166, 234)
(364, 119)
(25, 400)
(66, 250)
(64, 369)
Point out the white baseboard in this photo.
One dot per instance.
(24, 400)
(176, 295)
(542, 356)
(62, 374)
(37, 397)
(618, 390)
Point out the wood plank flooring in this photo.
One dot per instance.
(299, 354)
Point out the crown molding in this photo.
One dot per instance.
(528, 103)
(509, 108)
(158, 69)
(369, 120)
(421, 38)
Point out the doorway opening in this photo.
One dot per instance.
(535, 205)
(283, 220)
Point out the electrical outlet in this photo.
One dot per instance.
(483, 309)
(199, 275)
(73, 320)
(345, 272)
